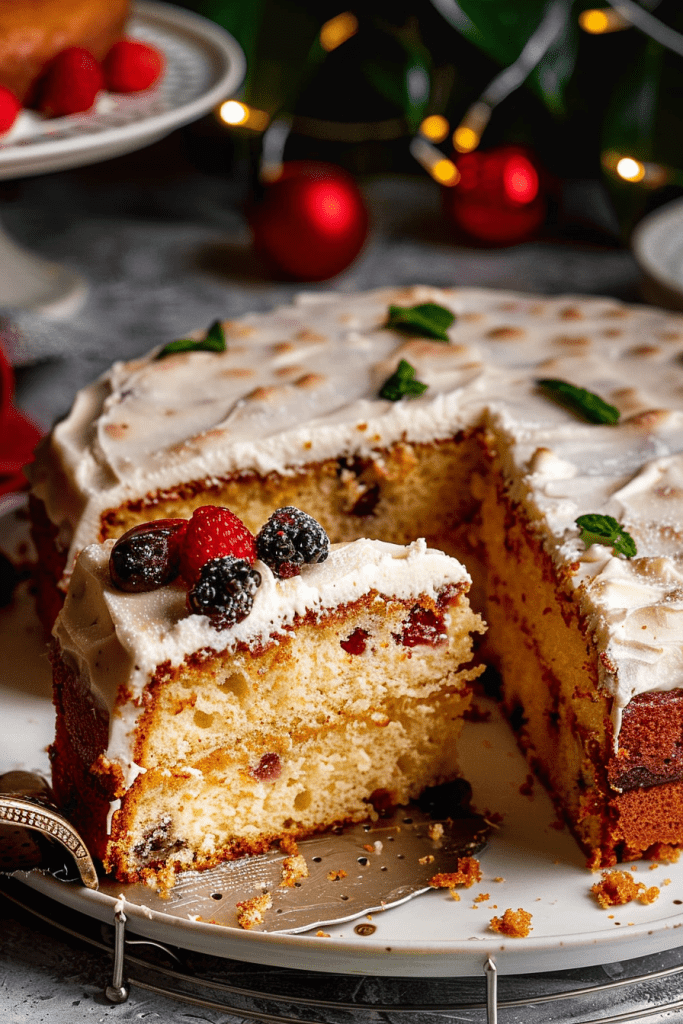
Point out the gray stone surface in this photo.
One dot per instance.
(166, 249)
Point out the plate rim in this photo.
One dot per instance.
(670, 213)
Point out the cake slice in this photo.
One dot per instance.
(180, 744)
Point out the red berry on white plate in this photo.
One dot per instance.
(131, 66)
(9, 109)
(71, 83)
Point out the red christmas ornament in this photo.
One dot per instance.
(499, 198)
(311, 222)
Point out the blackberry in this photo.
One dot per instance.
(224, 591)
(148, 556)
(291, 538)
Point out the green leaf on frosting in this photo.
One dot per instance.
(402, 384)
(580, 401)
(597, 529)
(427, 319)
(213, 342)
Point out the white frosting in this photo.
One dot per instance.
(116, 640)
(300, 384)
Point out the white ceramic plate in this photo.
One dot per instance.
(432, 935)
(657, 244)
(204, 64)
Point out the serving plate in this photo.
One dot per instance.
(531, 862)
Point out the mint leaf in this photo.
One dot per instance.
(427, 319)
(597, 529)
(213, 342)
(402, 384)
(580, 401)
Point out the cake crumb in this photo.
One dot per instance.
(336, 876)
(499, 878)
(664, 852)
(469, 872)
(429, 859)
(665, 881)
(618, 887)
(378, 846)
(289, 845)
(320, 934)
(435, 830)
(455, 895)
(250, 913)
(515, 923)
(293, 868)
(482, 897)
(369, 847)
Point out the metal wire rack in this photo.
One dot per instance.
(647, 989)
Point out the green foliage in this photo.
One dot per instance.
(402, 384)
(599, 529)
(584, 403)
(213, 342)
(427, 319)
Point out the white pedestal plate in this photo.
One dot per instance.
(204, 64)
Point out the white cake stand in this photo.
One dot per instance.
(204, 64)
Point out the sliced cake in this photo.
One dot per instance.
(183, 740)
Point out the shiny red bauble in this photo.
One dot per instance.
(311, 222)
(499, 198)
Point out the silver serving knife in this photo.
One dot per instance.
(352, 871)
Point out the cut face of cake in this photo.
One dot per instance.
(180, 744)
(535, 415)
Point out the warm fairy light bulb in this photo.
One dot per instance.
(465, 139)
(630, 169)
(238, 114)
(233, 112)
(435, 128)
(445, 172)
(598, 21)
(337, 30)
(434, 162)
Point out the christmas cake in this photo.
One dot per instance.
(33, 32)
(188, 735)
(539, 439)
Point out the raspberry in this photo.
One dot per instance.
(148, 556)
(291, 538)
(131, 66)
(211, 533)
(9, 109)
(71, 83)
(224, 591)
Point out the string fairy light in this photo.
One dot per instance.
(337, 30)
(598, 21)
(240, 115)
(639, 172)
(434, 162)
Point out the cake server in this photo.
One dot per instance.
(352, 871)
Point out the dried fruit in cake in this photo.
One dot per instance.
(9, 109)
(148, 556)
(213, 532)
(131, 66)
(224, 591)
(291, 538)
(71, 83)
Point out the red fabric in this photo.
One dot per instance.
(18, 436)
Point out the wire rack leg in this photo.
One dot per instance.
(119, 990)
(491, 973)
